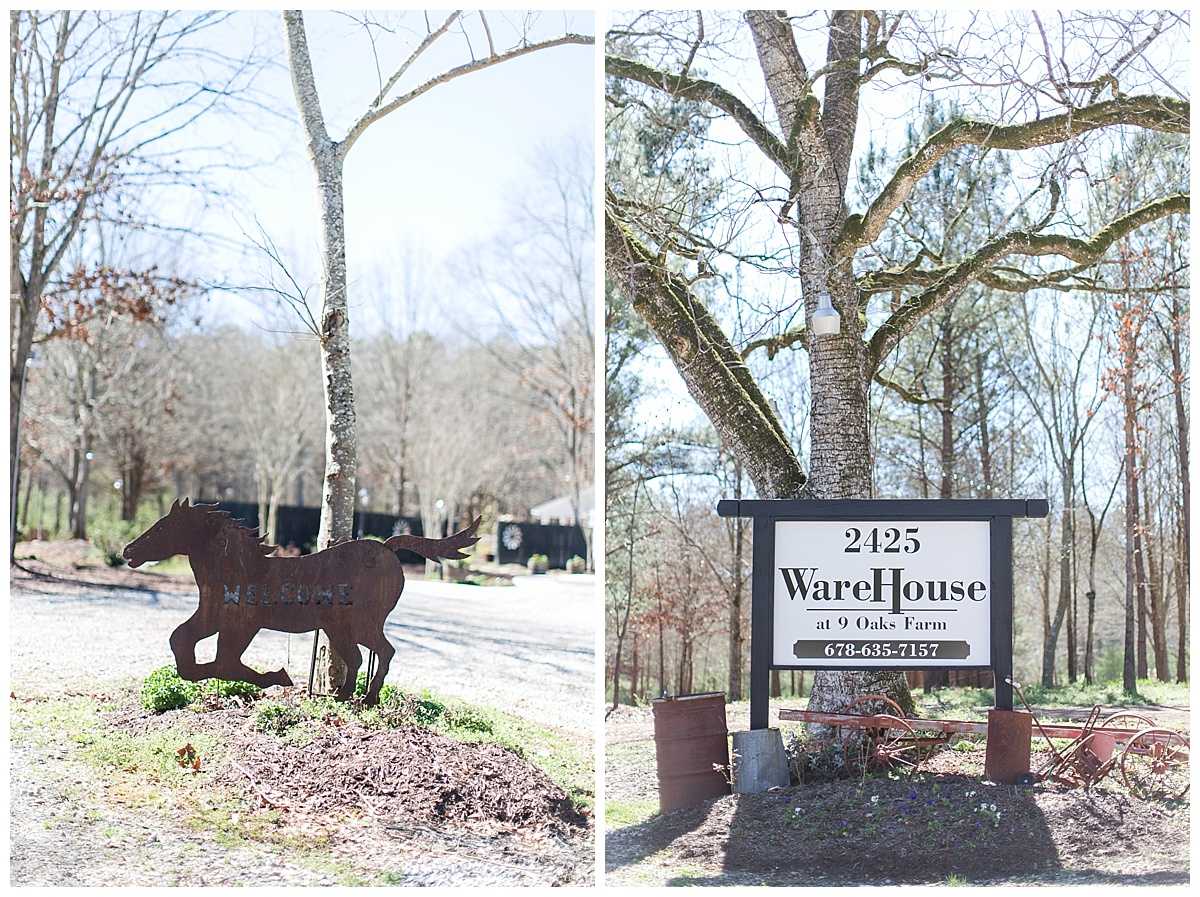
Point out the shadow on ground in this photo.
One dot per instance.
(933, 830)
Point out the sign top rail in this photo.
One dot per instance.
(883, 508)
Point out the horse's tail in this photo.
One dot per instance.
(433, 549)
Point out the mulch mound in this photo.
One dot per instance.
(941, 825)
(408, 776)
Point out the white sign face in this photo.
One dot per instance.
(882, 594)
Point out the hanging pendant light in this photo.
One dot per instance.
(825, 320)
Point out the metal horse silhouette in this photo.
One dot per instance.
(347, 590)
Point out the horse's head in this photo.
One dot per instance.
(171, 535)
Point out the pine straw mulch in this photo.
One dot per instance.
(377, 790)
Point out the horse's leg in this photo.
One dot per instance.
(347, 648)
(378, 642)
(183, 645)
(231, 644)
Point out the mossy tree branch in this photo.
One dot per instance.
(715, 374)
(698, 89)
(955, 278)
(907, 394)
(778, 341)
(1151, 112)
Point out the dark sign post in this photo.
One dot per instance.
(880, 585)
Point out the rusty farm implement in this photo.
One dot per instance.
(1151, 760)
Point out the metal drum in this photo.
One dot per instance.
(691, 741)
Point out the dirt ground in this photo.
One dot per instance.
(944, 825)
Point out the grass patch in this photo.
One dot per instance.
(972, 703)
(57, 721)
(162, 772)
(619, 814)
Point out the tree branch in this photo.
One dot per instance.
(778, 341)
(905, 393)
(715, 374)
(1150, 112)
(698, 89)
(377, 112)
(955, 278)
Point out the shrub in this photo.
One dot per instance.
(389, 695)
(428, 711)
(270, 716)
(223, 688)
(111, 537)
(164, 690)
(469, 720)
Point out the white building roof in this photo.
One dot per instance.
(559, 509)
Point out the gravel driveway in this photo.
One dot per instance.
(528, 649)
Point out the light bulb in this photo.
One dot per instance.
(825, 320)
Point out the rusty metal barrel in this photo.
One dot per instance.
(691, 742)
(1009, 737)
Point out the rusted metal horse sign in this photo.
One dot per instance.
(347, 590)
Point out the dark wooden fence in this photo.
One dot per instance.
(517, 541)
(298, 527)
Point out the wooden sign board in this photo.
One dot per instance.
(878, 584)
(881, 594)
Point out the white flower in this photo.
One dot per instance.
(874, 798)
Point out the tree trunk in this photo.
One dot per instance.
(634, 670)
(1155, 599)
(1088, 658)
(840, 449)
(337, 494)
(937, 678)
(985, 448)
(622, 623)
(1132, 554)
(946, 337)
(1183, 555)
(81, 471)
(1065, 543)
(1047, 627)
(736, 595)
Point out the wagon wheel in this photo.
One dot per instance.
(1154, 764)
(870, 705)
(1125, 720)
(856, 740)
(890, 745)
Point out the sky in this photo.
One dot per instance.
(438, 174)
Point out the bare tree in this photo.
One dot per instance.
(328, 157)
(274, 402)
(1059, 375)
(540, 288)
(94, 95)
(800, 117)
